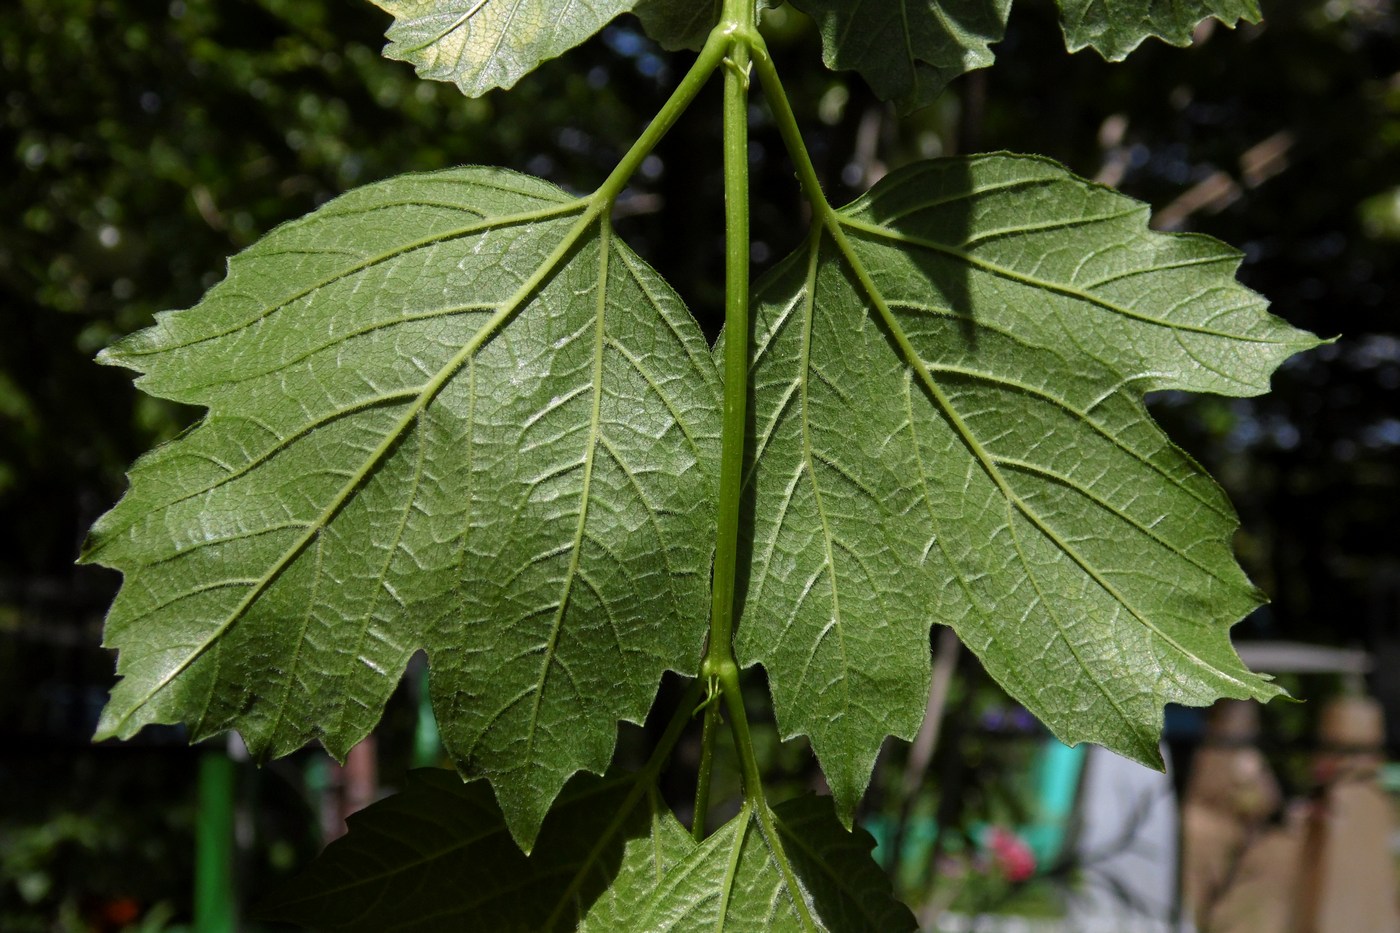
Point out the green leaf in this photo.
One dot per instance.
(813, 876)
(438, 856)
(948, 427)
(908, 52)
(1114, 28)
(683, 24)
(448, 412)
(610, 859)
(481, 45)
(678, 24)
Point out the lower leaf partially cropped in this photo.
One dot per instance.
(447, 412)
(801, 872)
(610, 859)
(438, 856)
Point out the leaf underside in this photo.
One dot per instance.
(1113, 28)
(908, 52)
(445, 413)
(815, 876)
(481, 45)
(610, 859)
(683, 24)
(948, 427)
(678, 25)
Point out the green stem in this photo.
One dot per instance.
(827, 217)
(713, 711)
(736, 29)
(791, 134)
(679, 720)
(736, 343)
(721, 667)
(739, 725)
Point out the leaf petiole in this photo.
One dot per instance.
(711, 56)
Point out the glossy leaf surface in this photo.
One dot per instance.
(446, 412)
(948, 427)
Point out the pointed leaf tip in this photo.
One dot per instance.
(909, 53)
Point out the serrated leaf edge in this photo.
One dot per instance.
(421, 399)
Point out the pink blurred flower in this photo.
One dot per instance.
(1012, 855)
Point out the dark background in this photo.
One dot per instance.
(146, 141)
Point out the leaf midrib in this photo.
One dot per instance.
(804, 371)
(834, 223)
(590, 453)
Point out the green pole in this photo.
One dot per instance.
(214, 910)
(427, 743)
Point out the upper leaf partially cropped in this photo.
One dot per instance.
(808, 875)
(909, 51)
(949, 428)
(446, 412)
(480, 45)
(1113, 28)
(683, 24)
(678, 24)
(438, 856)
(610, 859)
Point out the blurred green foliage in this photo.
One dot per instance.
(83, 867)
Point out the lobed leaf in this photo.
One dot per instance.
(948, 427)
(447, 412)
(481, 45)
(909, 51)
